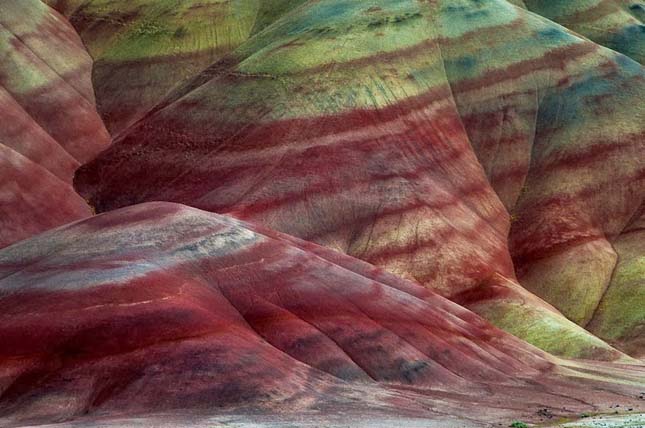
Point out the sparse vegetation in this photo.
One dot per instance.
(393, 19)
(518, 424)
(148, 28)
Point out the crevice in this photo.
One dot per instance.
(263, 339)
(607, 287)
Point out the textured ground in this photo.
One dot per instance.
(341, 421)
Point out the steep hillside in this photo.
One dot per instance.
(560, 136)
(620, 316)
(322, 213)
(49, 122)
(617, 24)
(143, 48)
(403, 133)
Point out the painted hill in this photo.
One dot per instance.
(49, 122)
(143, 48)
(392, 133)
(617, 24)
(303, 202)
(625, 291)
(163, 308)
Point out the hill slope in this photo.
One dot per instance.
(49, 121)
(163, 308)
(396, 134)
